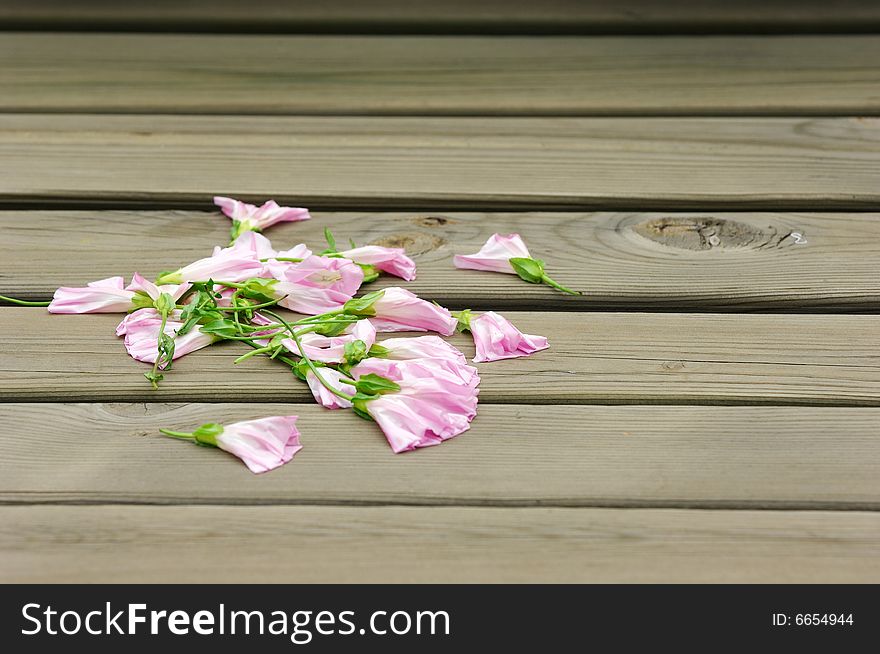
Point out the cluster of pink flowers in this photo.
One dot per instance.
(420, 390)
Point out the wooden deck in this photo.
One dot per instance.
(709, 410)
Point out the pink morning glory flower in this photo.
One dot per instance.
(228, 265)
(434, 403)
(397, 309)
(263, 444)
(111, 296)
(495, 255)
(509, 254)
(325, 272)
(337, 380)
(420, 347)
(103, 296)
(496, 338)
(141, 332)
(247, 217)
(393, 261)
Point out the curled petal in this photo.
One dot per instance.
(263, 444)
(496, 338)
(495, 255)
(103, 296)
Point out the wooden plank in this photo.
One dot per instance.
(145, 73)
(654, 261)
(638, 456)
(593, 358)
(123, 544)
(437, 163)
(449, 16)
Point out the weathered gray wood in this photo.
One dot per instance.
(143, 73)
(638, 456)
(593, 358)
(436, 163)
(389, 544)
(677, 261)
(449, 16)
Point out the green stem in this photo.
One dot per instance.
(547, 280)
(286, 360)
(312, 366)
(251, 306)
(24, 303)
(178, 434)
(290, 259)
(158, 354)
(259, 350)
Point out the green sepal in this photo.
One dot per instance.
(302, 368)
(260, 289)
(377, 350)
(464, 319)
(355, 352)
(164, 304)
(359, 405)
(141, 301)
(169, 277)
(331, 328)
(373, 384)
(207, 434)
(363, 306)
(371, 273)
(531, 270)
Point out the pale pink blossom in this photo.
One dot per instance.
(325, 272)
(409, 421)
(310, 300)
(251, 217)
(228, 265)
(393, 261)
(263, 444)
(256, 246)
(397, 309)
(325, 397)
(103, 296)
(435, 401)
(410, 373)
(496, 338)
(421, 347)
(148, 288)
(141, 331)
(495, 254)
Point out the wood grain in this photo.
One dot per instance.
(438, 163)
(593, 358)
(466, 545)
(449, 16)
(752, 75)
(654, 261)
(637, 456)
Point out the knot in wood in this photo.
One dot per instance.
(702, 233)
(415, 243)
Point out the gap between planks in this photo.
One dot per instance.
(448, 17)
(710, 261)
(443, 163)
(414, 545)
(639, 456)
(420, 75)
